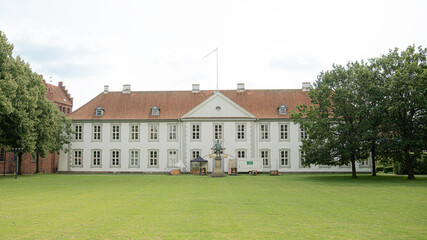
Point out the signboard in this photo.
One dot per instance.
(249, 164)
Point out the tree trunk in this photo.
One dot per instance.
(37, 163)
(353, 167)
(409, 161)
(373, 156)
(19, 162)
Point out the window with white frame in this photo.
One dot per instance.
(154, 132)
(218, 133)
(241, 131)
(284, 131)
(364, 163)
(96, 132)
(284, 158)
(116, 132)
(96, 158)
(134, 132)
(173, 128)
(134, 158)
(265, 158)
(301, 157)
(153, 160)
(195, 154)
(241, 153)
(172, 158)
(264, 132)
(115, 158)
(195, 131)
(78, 135)
(303, 133)
(78, 158)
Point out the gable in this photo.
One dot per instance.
(218, 106)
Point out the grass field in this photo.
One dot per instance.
(198, 207)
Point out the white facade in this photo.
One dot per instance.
(133, 146)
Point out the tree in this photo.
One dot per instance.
(336, 120)
(404, 126)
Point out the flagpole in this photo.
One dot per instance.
(217, 69)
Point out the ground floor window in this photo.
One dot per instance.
(195, 154)
(115, 158)
(77, 157)
(172, 158)
(134, 158)
(284, 158)
(265, 158)
(96, 158)
(241, 153)
(153, 160)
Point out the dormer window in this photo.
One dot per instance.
(99, 111)
(155, 111)
(282, 109)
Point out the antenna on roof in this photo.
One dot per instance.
(215, 50)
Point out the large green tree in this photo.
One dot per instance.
(27, 119)
(336, 120)
(404, 125)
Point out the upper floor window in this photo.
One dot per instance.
(218, 134)
(173, 128)
(155, 111)
(154, 132)
(116, 132)
(303, 133)
(195, 132)
(284, 131)
(99, 111)
(282, 109)
(241, 130)
(264, 132)
(134, 132)
(96, 132)
(78, 129)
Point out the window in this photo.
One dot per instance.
(78, 135)
(155, 111)
(153, 160)
(265, 158)
(154, 132)
(172, 135)
(115, 158)
(284, 134)
(303, 133)
(264, 132)
(364, 163)
(241, 128)
(78, 158)
(195, 132)
(134, 158)
(282, 109)
(99, 111)
(195, 154)
(96, 158)
(116, 132)
(2, 155)
(218, 134)
(172, 158)
(241, 153)
(284, 158)
(301, 158)
(134, 132)
(96, 133)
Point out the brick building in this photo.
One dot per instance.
(60, 96)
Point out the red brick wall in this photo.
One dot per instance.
(49, 164)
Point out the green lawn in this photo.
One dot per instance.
(133, 206)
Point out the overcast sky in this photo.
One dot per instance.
(159, 45)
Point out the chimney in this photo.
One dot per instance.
(306, 86)
(240, 87)
(196, 88)
(126, 88)
(105, 89)
(60, 84)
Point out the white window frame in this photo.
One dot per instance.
(114, 152)
(96, 136)
(218, 131)
(285, 154)
(262, 155)
(170, 163)
(302, 133)
(134, 136)
(116, 132)
(78, 132)
(239, 153)
(193, 153)
(153, 132)
(93, 157)
(365, 163)
(172, 132)
(134, 161)
(77, 158)
(153, 158)
(196, 134)
(264, 134)
(284, 134)
(240, 134)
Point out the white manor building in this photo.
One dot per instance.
(150, 131)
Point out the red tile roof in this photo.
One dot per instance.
(174, 104)
(58, 94)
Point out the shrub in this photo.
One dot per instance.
(380, 169)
